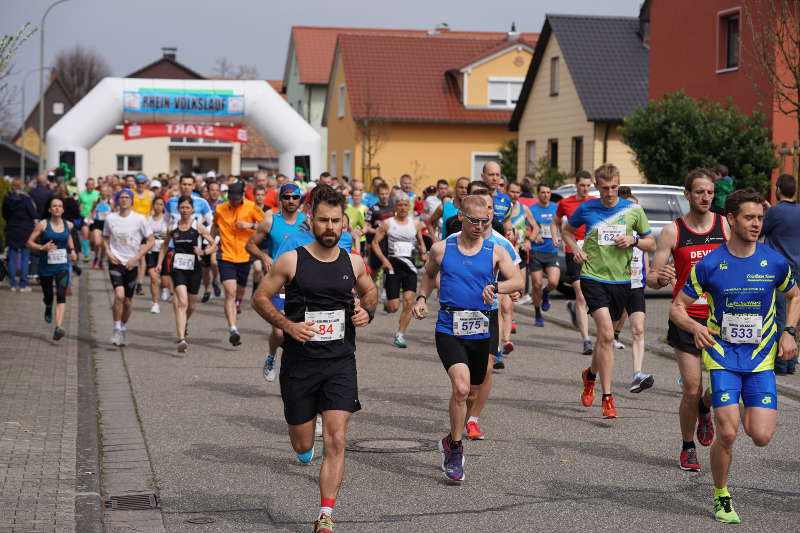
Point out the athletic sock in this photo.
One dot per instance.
(117, 325)
(590, 376)
(326, 506)
(587, 339)
(85, 246)
(702, 407)
(721, 493)
(607, 396)
(123, 326)
(472, 419)
(233, 329)
(636, 374)
(687, 445)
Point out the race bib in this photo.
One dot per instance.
(402, 249)
(608, 232)
(469, 323)
(741, 329)
(57, 256)
(183, 261)
(636, 270)
(100, 215)
(159, 243)
(328, 325)
(547, 231)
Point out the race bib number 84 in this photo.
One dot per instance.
(469, 323)
(328, 325)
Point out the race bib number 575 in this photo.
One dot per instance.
(469, 323)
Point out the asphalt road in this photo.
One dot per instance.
(220, 452)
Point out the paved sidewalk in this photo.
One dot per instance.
(38, 416)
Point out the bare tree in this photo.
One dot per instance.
(79, 69)
(9, 44)
(224, 68)
(371, 135)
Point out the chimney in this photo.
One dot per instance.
(439, 28)
(513, 34)
(169, 52)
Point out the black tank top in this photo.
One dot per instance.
(185, 241)
(320, 286)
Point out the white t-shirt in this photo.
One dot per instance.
(431, 203)
(126, 234)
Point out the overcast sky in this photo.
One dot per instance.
(129, 34)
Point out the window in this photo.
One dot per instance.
(332, 164)
(577, 154)
(552, 152)
(504, 92)
(346, 163)
(58, 108)
(554, 76)
(530, 151)
(341, 101)
(129, 163)
(728, 40)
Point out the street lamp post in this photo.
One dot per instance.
(41, 82)
(22, 127)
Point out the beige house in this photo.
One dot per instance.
(587, 74)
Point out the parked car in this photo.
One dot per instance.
(661, 203)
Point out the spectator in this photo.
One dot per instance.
(41, 193)
(723, 186)
(19, 212)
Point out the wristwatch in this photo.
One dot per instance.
(496, 286)
(791, 331)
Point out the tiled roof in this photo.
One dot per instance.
(256, 147)
(405, 78)
(606, 59)
(314, 45)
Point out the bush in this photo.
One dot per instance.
(544, 173)
(677, 133)
(508, 159)
(5, 186)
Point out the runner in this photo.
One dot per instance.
(692, 237)
(87, 199)
(126, 237)
(375, 216)
(184, 268)
(492, 176)
(51, 238)
(318, 369)
(544, 252)
(234, 222)
(142, 204)
(263, 244)
(567, 206)
(525, 229)
(467, 264)
(606, 271)
(101, 209)
(740, 340)
(448, 210)
(159, 227)
(214, 191)
(403, 234)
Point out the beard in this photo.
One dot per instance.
(328, 239)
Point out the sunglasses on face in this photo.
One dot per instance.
(476, 220)
(290, 197)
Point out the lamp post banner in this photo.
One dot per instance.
(205, 131)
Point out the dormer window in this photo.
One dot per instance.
(504, 92)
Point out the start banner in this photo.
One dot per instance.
(205, 131)
(221, 103)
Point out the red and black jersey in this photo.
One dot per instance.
(691, 247)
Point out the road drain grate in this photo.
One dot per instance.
(391, 445)
(132, 502)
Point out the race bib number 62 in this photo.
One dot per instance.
(608, 232)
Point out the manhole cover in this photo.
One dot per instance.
(201, 520)
(391, 445)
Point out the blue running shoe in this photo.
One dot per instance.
(269, 368)
(539, 322)
(545, 300)
(307, 457)
(572, 316)
(452, 459)
(217, 288)
(498, 362)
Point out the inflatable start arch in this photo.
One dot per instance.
(166, 105)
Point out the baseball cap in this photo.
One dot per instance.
(211, 174)
(223, 188)
(124, 191)
(155, 185)
(141, 178)
(290, 188)
(236, 191)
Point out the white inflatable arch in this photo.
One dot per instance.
(107, 106)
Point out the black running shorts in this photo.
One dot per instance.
(636, 301)
(404, 279)
(122, 277)
(682, 340)
(237, 271)
(314, 385)
(472, 352)
(494, 333)
(151, 260)
(572, 269)
(190, 278)
(614, 296)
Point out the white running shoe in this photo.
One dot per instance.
(164, 295)
(123, 338)
(115, 337)
(155, 309)
(318, 428)
(525, 299)
(25, 289)
(618, 345)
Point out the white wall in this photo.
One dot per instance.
(154, 151)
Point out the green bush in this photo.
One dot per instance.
(544, 173)
(4, 188)
(677, 133)
(508, 159)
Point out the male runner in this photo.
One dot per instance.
(234, 222)
(544, 252)
(374, 218)
(275, 229)
(87, 198)
(467, 266)
(567, 206)
(142, 204)
(403, 234)
(692, 237)
(740, 339)
(318, 371)
(447, 210)
(126, 238)
(606, 270)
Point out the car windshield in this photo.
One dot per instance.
(656, 207)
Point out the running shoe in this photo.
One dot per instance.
(58, 333)
(508, 347)
(13, 288)
(155, 308)
(182, 345)
(474, 432)
(78, 270)
(498, 362)
(48, 314)
(206, 297)
(689, 460)
(452, 460)
(238, 307)
(400, 340)
(307, 457)
(546, 301)
(123, 337)
(618, 345)
(94, 265)
(572, 316)
(323, 525)
(318, 427)
(587, 348)
(513, 328)
(525, 299)
(164, 295)
(115, 338)
(217, 288)
(705, 429)
(539, 322)
(269, 368)
(587, 396)
(642, 382)
(139, 290)
(608, 410)
(24, 289)
(234, 338)
(724, 512)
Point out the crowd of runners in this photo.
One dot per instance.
(321, 256)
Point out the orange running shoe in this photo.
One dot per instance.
(609, 411)
(474, 432)
(587, 396)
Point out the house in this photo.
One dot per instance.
(11, 158)
(426, 106)
(706, 49)
(310, 58)
(588, 73)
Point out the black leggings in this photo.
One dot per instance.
(61, 280)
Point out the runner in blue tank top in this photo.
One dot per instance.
(467, 265)
(447, 210)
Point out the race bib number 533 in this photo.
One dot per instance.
(741, 329)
